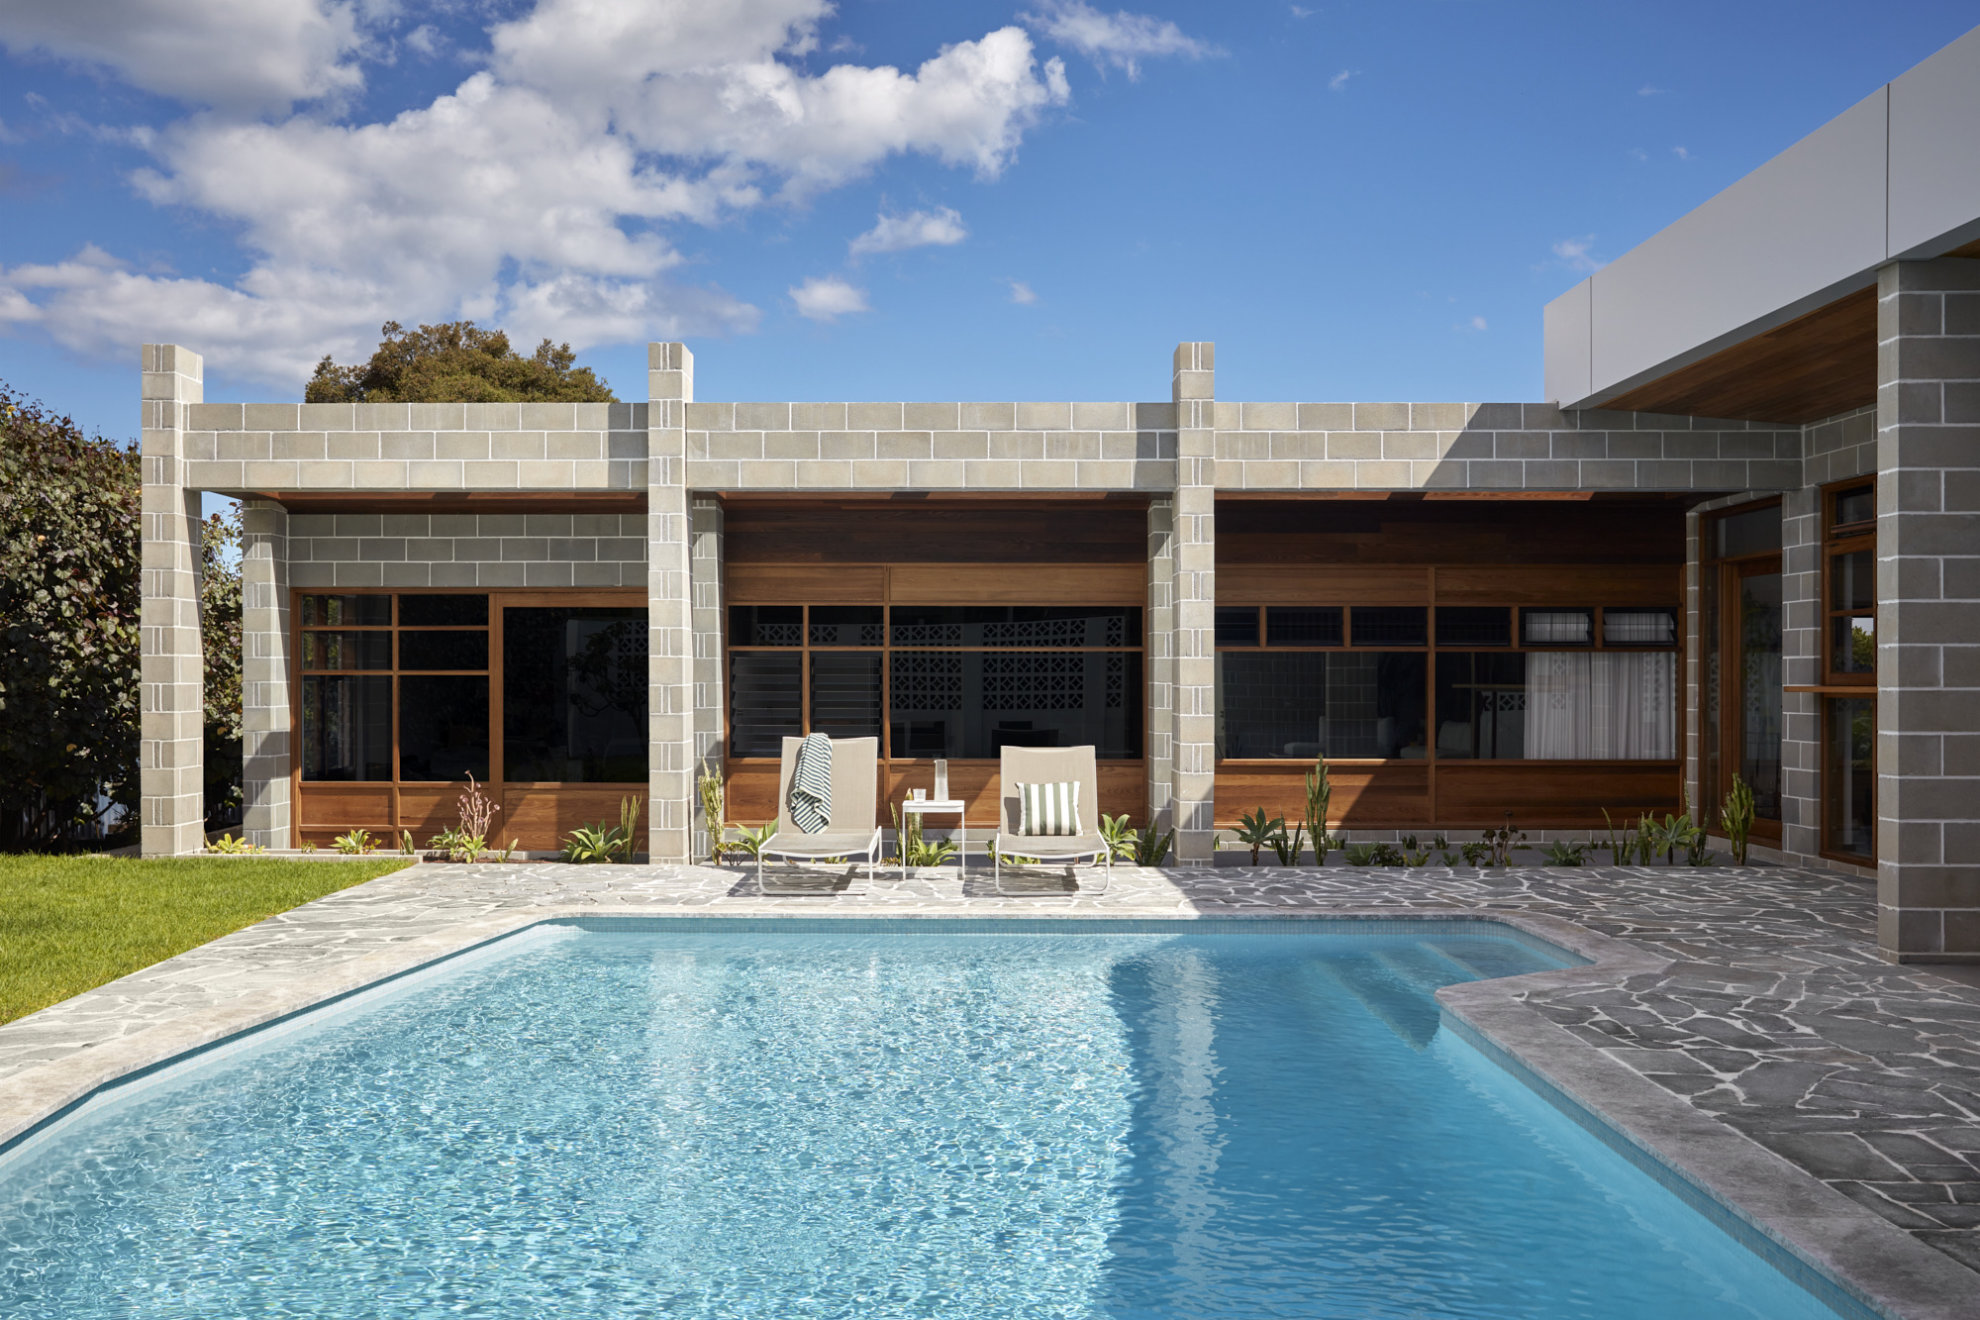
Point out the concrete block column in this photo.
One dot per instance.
(705, 581)
(669, 602)
(1161, 728)
(172, 807)
(1928, 610)
(1801, 666)
(1194, 388)
(267, 746)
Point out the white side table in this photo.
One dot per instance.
(924, 806)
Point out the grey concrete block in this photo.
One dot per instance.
(994, 474)
(1102, 417)
(1354, 444)
(1049, 474)
(873, 417)
(270, 416)
(1325, 417)
(818, 417)
(1381, 417)
(1043, 417)
(989, 416)
(905, 444)
(763, 416)
(936, 474)
(931, 417)
(797, 445)
(1269, 417)
(459, 444)
(846, 444)
(1017, 445)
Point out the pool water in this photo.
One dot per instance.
(874, 1122)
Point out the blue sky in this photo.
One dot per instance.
(883, 199)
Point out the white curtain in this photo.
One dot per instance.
(1601, 705)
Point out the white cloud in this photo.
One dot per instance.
(1647, 90)
(1574, 253)
(1681, 153)
(1021, 293)
(942, 227)
(1638, 153)
(1472, 325)
(547, 192)
(1120, 39)
(1339, 82)
(1298, 12)
(827, 298)
(243, 55)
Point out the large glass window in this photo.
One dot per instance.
(1849, 816)
(1304, 704)
(962, 682)
(402, 686)
(574, 684)
(1740, 673)
(1472, 695)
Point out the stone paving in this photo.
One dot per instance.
(1773, 1015)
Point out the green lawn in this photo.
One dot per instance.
(70, 923)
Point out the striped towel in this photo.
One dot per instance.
(811, 784)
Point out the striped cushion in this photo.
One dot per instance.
(810, 803)
(1048, 809)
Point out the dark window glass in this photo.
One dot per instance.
(346, 611)
(1474, 625)
(443, 728)
(346, 728)
(443, 650)
(1303, 704)
(1391, 625)
(1849, 778)
(347, 650)
(1755, 532)
(1237, 625)
(975, 703)
(847, 625)
(1853, 580)
(766, 702)
(1760, 690)
(845, 693)
(766, 625)
(1556, 627)
(442, 611)
(574, 694)
(1639, 627)
(1856, 506)
(1481, 704)
(1015, 625)
(1853, 644)
(1303, 627)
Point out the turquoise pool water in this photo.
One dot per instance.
(867, 1123)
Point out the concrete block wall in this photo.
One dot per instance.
(171, 765)
(669, 604)
(416, 446)
(266, 736)
(1928, 610)
(467, 549)
(1494, 446)
(1161, 660)
(931, 446)
(1192, 643)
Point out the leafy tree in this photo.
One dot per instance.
(70, 559)
(69, 562)
(456, 363)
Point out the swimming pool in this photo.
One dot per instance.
(918, 1119)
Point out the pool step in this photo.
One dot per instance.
(1400, 1001)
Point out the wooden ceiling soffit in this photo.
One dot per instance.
(362, 501)
(1813, 367)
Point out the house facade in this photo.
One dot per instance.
(1743, 537)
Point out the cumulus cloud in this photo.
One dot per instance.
(1339, 82)
(827, 298)
(236, 54)
(1681, 153)
(1120, 40)
(548, 191)
(1575, 255)
(942, 227)
(1021, 293)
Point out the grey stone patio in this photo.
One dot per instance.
(1753, 996)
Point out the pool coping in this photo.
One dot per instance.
(1851, 1255)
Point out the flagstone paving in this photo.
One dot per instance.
(1774, 1013)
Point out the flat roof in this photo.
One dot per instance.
(1753, 305)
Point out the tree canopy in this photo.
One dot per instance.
(69, 598)
(457, 363)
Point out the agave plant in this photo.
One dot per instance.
(1736, 816)
(355, 842)
(1255, 829)
(591, 843)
